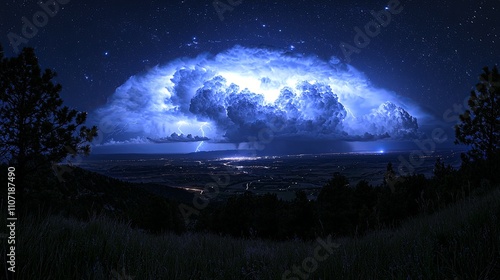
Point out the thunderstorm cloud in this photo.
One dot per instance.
(237, 94)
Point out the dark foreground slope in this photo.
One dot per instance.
(82, 194)
(461, 242)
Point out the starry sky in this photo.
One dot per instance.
(432, 52)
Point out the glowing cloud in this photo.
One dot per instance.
(239, 92)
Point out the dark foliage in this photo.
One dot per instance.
(84, 194)
(335, 206)
(36, 128)
(343, 210)
(480, 124)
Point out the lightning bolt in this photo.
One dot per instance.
(349, 112)
(180, 123)
(202, 134)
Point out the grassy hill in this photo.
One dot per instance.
(84, 194)
(461, 242)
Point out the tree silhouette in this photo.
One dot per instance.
(335, 203)
(36, 128)
(480, 125)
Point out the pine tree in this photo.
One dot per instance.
(480, 125)
(36, 128)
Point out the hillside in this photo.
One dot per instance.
(461, 242)
(84, 194)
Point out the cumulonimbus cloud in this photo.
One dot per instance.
(235, 94)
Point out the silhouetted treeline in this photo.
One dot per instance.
(82, 194)
(341, 209)
(345, 210)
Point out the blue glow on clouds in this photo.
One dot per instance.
(235, 94)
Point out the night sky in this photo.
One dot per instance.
(432, 52)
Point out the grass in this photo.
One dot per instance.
(461, 242)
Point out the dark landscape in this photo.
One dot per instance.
(282, 175)
(250, 140)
